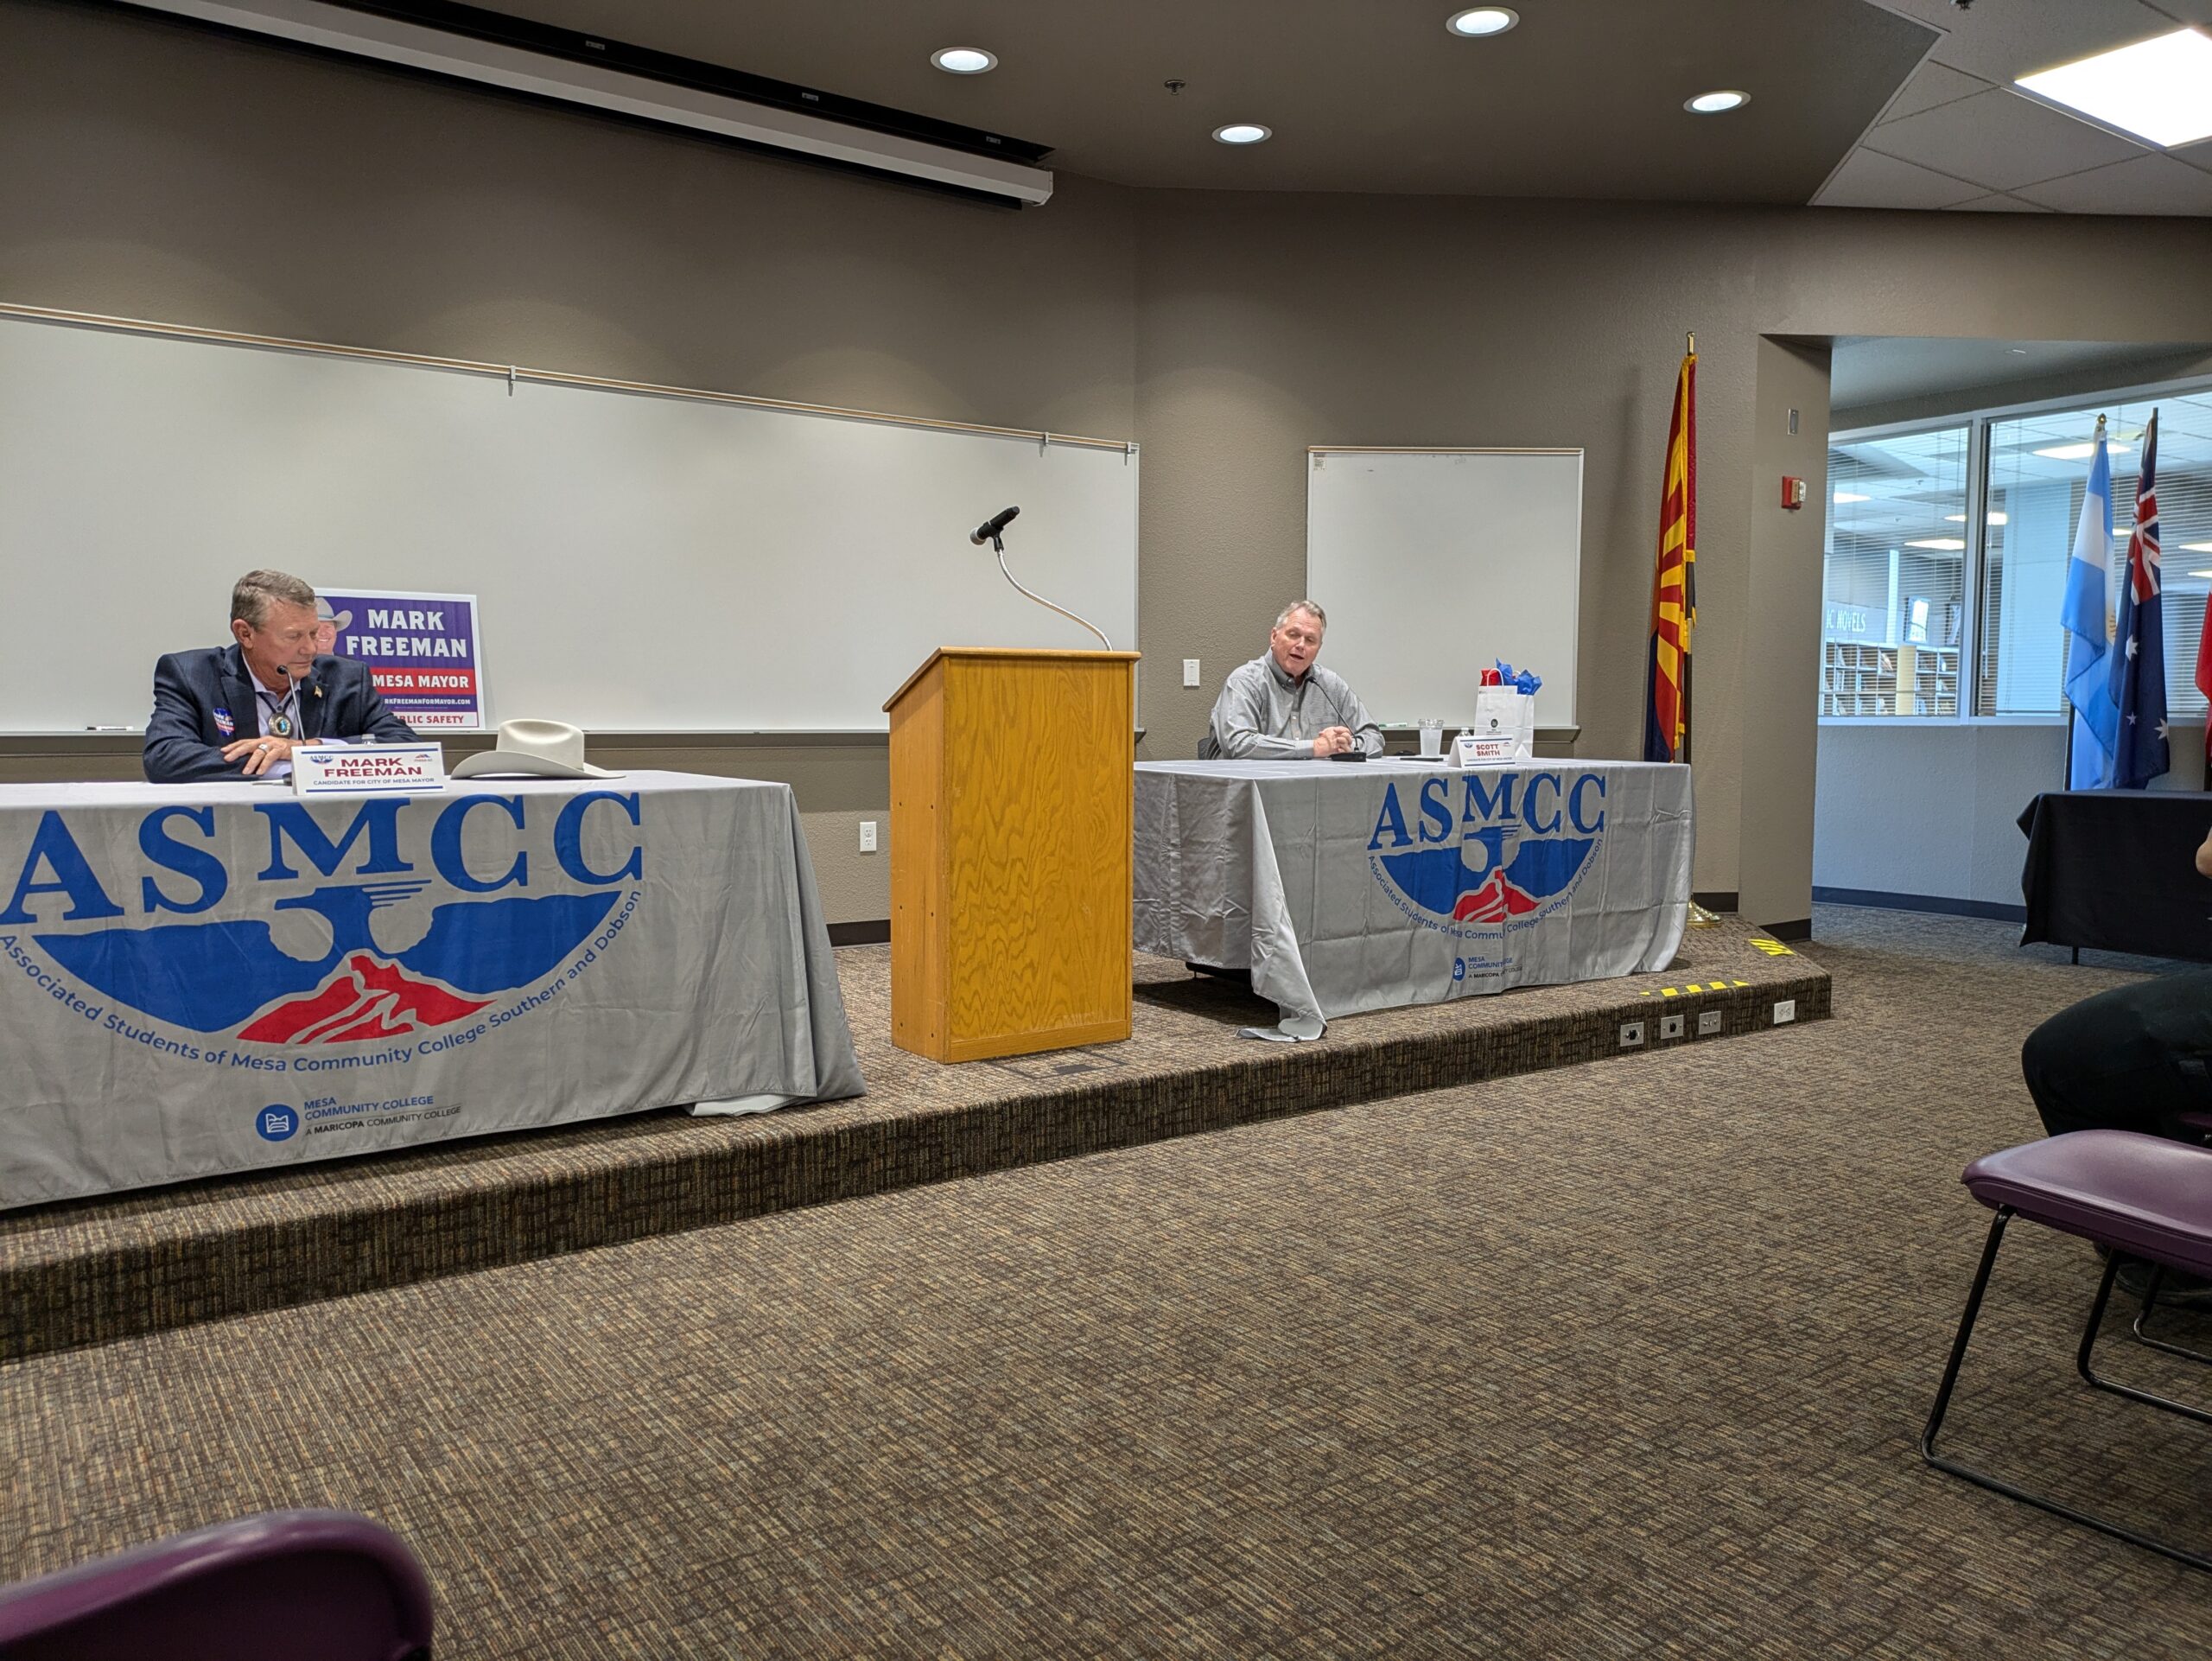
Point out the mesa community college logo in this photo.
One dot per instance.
(232, 980)
(1485, 850)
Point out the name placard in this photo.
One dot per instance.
(1473, 750)
(367, 769)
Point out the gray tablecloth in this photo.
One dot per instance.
(1349, 887)
(197, 979)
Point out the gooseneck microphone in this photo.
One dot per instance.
(990, 529)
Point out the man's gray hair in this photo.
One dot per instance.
(1320, 616)
(257, 590)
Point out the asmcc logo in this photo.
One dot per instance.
(1486, 850)
(232, 979)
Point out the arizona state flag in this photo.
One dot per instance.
(1673, 585)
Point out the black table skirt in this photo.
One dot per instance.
(2116, 869)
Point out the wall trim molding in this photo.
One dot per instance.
(1882, 898)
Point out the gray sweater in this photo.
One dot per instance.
(1264, 716)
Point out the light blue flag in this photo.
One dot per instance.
(2086, 618)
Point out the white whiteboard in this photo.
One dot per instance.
(1433, 565)
(644, 563)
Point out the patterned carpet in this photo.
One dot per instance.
(1621, 1359)
(118, 1266)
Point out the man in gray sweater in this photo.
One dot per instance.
(1284, 707)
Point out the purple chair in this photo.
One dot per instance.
(271, 1587)
(2139, 1196)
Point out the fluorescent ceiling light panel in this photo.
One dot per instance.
(2158, 89)
(1850, 496)
(2083, 452)
(1941, 544)
(2196, 548)
(1960, 519)
(491, 63)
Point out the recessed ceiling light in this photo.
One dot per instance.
(1960, 519)
(1243, 132)
(1483, 20)
(2161, 88)
(2083, 452)
(963, 59)
(1852, 496)
(1717, 102)
(1941, 544)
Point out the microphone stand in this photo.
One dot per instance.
(999, 547)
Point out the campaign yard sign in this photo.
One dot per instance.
(422, 650)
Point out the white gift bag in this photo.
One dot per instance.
(1506, 714)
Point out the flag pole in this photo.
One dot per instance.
(1699, 917)
(2066, 778)
(1690, 350)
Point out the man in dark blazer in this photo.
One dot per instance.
(236, 711)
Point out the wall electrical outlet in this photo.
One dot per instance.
(1670, 1025)
(867, 835)
(1190, 672)
(1785, 1012)
(1631, 1034)
(1708, 1022)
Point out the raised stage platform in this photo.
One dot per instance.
(93, 1271)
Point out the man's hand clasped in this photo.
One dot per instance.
(261, 754)
(1331, 741)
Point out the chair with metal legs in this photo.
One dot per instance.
(2146, 1197)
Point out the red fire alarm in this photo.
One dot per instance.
(1793, 494)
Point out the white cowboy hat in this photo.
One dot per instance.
(541, 749)
(341, 620)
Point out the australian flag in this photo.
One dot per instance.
(2139, 647)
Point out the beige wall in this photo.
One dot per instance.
(1266, 323)
(1782, 610)
(153, 170)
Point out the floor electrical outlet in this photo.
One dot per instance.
(1708, 1022)
(1785, 1012)
(1631, 1034)
(1670, 1025)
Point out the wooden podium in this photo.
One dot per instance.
(1012, 777)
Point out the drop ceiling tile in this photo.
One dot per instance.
(1869, 180)
(2001, 140)
(2149, 184)
(2002, 39)
(1931, 84)
(1999, 203)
